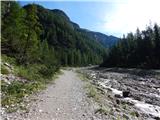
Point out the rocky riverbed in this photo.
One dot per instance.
(139, 89)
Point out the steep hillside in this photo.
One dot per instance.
(64, 36)
(105, 40)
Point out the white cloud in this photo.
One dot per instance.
(131, 14)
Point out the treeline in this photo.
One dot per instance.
(21, 38)
(35, 35)
(141, 49)
(74, 48)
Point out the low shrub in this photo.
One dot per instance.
(15, 92)
(4, 70)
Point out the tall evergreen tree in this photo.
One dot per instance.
(12, 27)
(157, 44)
(32, 35)
(139, 50)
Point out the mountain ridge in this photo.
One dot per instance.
(106, 40)
(103, 39)
(70, 44)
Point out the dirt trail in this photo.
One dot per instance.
(64, 100)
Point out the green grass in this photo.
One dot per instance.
(8, 59)
(30, 72)
(134, 114)
(92, 91)
(102, 110)
(4, 70)
(83, 77)
(14, 92)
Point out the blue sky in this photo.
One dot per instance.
(112, 17)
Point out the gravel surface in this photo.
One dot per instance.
(67, 98)
(142, 88)
(64, 100)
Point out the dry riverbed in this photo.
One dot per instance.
(132, 94)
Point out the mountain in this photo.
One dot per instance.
(43, 28)
(67, 39)
(105, 40)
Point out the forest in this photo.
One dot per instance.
(41, 46)
(139, 50)
(35, 35)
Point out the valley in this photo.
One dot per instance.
(61, 62)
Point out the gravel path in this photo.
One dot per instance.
(64, 100)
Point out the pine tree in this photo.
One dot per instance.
(157, 44)
(139, 50)
(12, 27)
(32, 35)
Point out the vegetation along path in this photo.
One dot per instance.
(64, 100)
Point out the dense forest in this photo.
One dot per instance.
(141, 49)
(35, 35)
(106, 41)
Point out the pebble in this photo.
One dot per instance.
(57, 109)
(40, 110)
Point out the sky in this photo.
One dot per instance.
(111, 17)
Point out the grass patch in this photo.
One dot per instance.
(14, 92)
(134, 114)
(83, 77)
(57, 74)
(30, 72)
(36, 72)
(102, 110)
(8, 59)
(4, 70)
(92, 92)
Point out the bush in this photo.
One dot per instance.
(8, 59)
(14, 92)
(30, 72)
(4, 70)
(38, 75)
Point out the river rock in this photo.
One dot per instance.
(125, 93)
